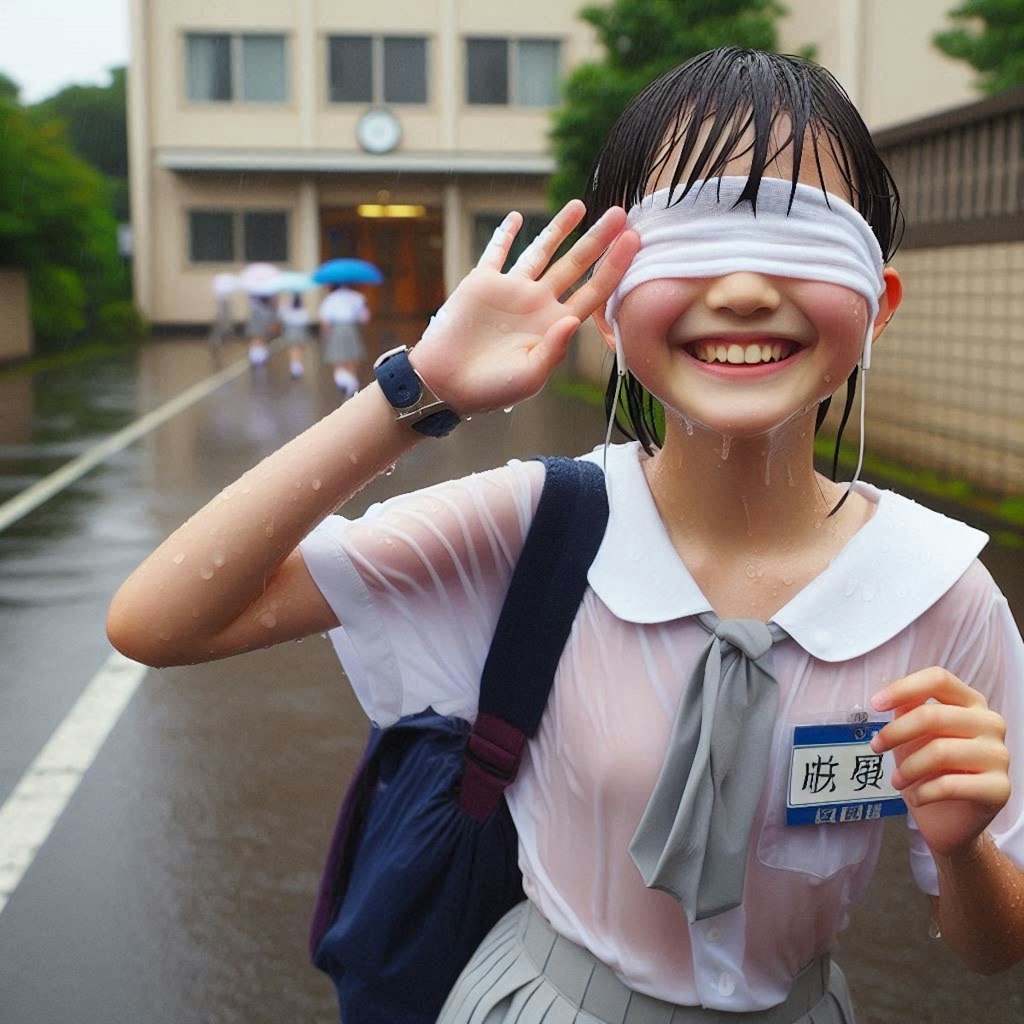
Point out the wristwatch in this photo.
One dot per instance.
(413, 401)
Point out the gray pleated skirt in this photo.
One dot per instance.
(525, 972)
(296, 334)
(344, 344)
(260, 322)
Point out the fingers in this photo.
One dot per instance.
(585, 253)
(594, 294)
(928, 720)
(947, 756)
(985, 789)
(537, 255)
(921, 686)
(496, 252)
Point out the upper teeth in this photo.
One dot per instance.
(717, 352)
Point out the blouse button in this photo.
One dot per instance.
(714, 934)
(726, 984)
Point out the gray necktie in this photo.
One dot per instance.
(692, 840)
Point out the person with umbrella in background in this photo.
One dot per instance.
(341, 314)
(292, 314)
(260, 282)
(224, 286)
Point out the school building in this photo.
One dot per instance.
(292, 131)
(401, 131)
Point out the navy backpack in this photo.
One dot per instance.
(424, 859)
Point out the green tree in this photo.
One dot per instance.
(57, 223)
(96, 122)
(990, 37)
(642, 39)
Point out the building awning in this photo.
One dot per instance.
(308, 161)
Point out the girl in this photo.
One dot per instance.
(737, 596)
(292, 314)
(260, 328)
(341, 313)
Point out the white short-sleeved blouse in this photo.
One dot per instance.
(418, 582)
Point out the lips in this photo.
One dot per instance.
(742, 351)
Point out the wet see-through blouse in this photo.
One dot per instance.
(418, 582)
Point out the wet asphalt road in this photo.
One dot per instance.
(177, 885)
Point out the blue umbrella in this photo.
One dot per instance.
(347, 271)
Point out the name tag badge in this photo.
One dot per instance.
(836, 777)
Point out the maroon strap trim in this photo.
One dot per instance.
(493, 752)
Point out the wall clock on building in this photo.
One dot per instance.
(378, 131)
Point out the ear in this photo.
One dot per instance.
(889, 301)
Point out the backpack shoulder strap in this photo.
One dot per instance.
(547, 586)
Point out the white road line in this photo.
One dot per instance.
(32, 497)
(29, 814)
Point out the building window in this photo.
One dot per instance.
(221, 68)
(516, 72)
(229, 236)
(485, 223)
(377, 69)
(265, 236)
(211, 237)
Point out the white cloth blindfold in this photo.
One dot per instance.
(819, 238)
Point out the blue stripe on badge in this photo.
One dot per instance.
(827, 735)
(837, 814)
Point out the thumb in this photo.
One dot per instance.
(553, 346)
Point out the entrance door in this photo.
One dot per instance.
(409, 252)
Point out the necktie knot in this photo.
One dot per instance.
(751, 637)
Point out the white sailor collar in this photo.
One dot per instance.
(891, 571)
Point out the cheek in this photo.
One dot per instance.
(839, 315)
(653, 307)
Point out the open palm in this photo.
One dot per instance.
(499, 335)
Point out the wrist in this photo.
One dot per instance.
(966, 854)
(414, 402)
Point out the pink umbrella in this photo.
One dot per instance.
(259, 278)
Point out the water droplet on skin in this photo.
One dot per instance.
(219, 559)
(389, 470)
(179, 558)
(269, 531)
(195, 613)
(316, 485)
(726, 443)
(827, 378)
(353, 459)
(165, 636)
(268, 619)
(388, 542)
(298, 485)
(246, 489)
(787, 580)
(206, 572)
(751, 571)
(507, 409)
(508, 380)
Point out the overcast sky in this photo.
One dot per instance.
(47, 44)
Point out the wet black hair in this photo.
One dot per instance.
(730, 91)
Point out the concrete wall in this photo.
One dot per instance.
(946, 388)
(15, 315)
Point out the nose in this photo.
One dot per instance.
(743, 293)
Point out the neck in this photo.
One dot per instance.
(760, 491)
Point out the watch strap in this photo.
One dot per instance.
(410, 397)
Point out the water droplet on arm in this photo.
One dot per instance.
(316, 484)
(179, 558)
(206, 572)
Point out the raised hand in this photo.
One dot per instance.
(952, 766)
(499, 335)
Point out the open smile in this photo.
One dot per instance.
(742, 352)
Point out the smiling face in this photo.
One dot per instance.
(748, 351)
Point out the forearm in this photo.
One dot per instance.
(211, 569)
(980, 908)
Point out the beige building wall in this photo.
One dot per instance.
(881, 51)
(15, 315)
